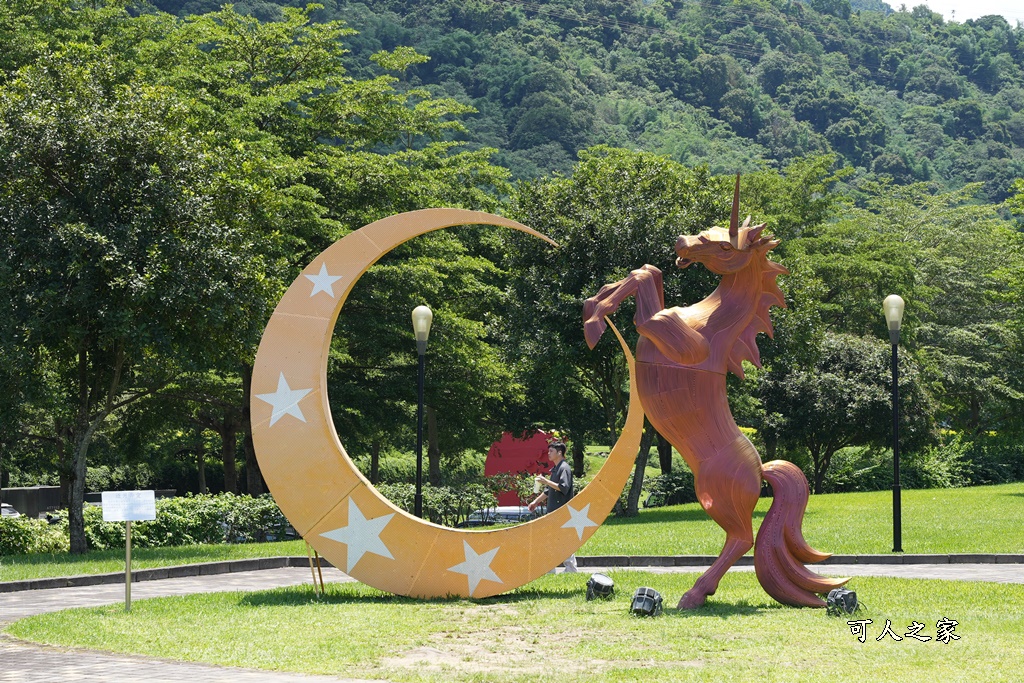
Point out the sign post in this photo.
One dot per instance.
(128, 506)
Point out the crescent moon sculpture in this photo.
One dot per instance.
(334, 507)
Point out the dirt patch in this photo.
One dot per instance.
(510, 650)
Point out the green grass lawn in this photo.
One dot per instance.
(740, 635)
(984, 519)
(20, 567)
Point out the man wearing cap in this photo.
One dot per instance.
(558, 489)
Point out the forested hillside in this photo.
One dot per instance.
(735, 85)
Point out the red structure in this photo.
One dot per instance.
(511, 454)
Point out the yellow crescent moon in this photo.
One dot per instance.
(328, 500)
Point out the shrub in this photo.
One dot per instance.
(994, 459)
(858, 468)
(21, 536)
(957, 461)
(445, 505)
(190, 520)
(674, 488)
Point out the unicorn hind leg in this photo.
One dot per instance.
(728, 489)
(781, 548)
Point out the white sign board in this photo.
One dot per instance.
(128, 506)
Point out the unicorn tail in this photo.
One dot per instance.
(780, 548)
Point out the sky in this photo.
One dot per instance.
(1012, 10)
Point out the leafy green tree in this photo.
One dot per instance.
(618, 211)
(844, 399)
(360, 149)
(128, 257)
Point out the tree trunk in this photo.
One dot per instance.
(578, 463)
(201, 466)
(633, 499)
(253, 477)
(76, 517)
(227, 454)
(974, 420)
(64, 481)
(664, 454)
(433, 448)
(771, 443)
(819, 470)
(375, 461)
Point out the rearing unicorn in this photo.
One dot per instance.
(682, 359)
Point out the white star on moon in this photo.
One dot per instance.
(285, 401)
(361, 535)
(322, 282)
(477, 567)
(579, 519)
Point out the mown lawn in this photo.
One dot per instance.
(740, 635)
(984, 519)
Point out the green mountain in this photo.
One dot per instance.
(734, 85)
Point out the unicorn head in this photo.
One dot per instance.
(725, 251)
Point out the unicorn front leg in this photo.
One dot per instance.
(644, 282)
(667, 328)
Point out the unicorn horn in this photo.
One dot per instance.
(734, 222)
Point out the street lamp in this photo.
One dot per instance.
(421, 319)
(892, 308)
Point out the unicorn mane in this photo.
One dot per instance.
(745, 346)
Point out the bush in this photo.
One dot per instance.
(445, 505)
(22, 536)
(957, 461)
(191, 520)
(936, 467)
(994, 459)
(674, 488)
(858, 468)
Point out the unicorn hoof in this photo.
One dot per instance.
(692, 600)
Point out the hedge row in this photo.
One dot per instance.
(221, 518)
(21, 536)
(190, 520)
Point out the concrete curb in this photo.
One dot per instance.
(612, 561)
(748, 560)
(158, 573)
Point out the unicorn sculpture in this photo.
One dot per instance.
(683, 356)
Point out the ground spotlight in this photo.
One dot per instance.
(600, 586)
(841, 601)
(646, 602)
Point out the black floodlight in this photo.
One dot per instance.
(841, 601)
(646, 602)
(600, 586)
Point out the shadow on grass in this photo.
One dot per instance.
(723, 610)
(667, 515)
(357, 594)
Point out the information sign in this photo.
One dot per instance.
(129, 506)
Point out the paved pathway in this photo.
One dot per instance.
(26, 663)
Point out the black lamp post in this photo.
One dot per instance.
(421, 319)
(892, 307)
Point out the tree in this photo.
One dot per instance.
(618, 211)
(844, 400)
(127, 256)
(360, 149)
